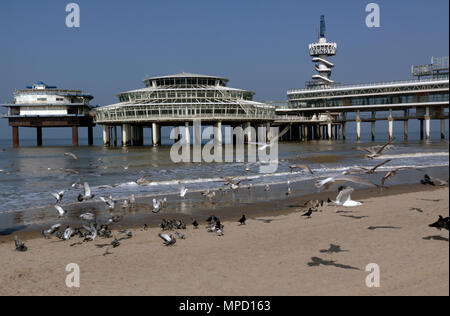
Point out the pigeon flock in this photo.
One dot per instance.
(90, 228)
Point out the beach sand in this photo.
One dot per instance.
(276, 253)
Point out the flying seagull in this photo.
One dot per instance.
(374, 152)
(263, 146)
(108, 201)
(58, 196)
(87, 193)
(306, 167)
(344, 198)
(61, 211)
(169, 240)
(183, 190)
(20, 246)
(48, 232)
(87, 217)
(366, 170)
(158, 205)
(71, 155)
(326, 183)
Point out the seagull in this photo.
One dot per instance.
(433, 181)
(132, 200)
(344, 199)
(228, 180)
(20, 246)
(289, 191)
(47, 233)
(143, 181)
(267, 188)
(209, 194)
(71, 155)
(183, 190)
(93, 232)
(114, 219)
(87, 193)
(169, 240)
(158, 205)
(263, 146)
(366, 170)
(326, 183)
(242, 220)
(58, 196)
(68, 233)
(87, 217)
(309, 213)
(442, 223)
(306, 167)
(61, 211)
(108, 201)
(374, 152)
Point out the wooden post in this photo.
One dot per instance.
(39, 136)
(15, 134)
(74, 135)
(90, 135)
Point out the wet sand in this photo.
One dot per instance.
(278, 252)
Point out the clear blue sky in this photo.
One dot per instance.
(259, 45)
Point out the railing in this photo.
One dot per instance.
(362, 85)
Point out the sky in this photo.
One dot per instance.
(259, 45)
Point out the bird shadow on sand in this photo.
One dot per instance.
(333, 249)
(382, 227)
(344, 212)
(102, 245)
(440, 238)
(265, 221)
(315, 262)
(355, 217)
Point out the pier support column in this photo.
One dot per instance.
(247, 132)
(421, 129)
(391, 125)
(329, 130)
(405, 125)
(176, 131)
(115, 136)
(442, 129)
(268, 135)
(156, 134)
(295, 132)
(218, 134)
(90, 135)
(187, 133)
(373, 125)
(106, 136)
(126, 135)
(15, 136)
(343, 131)
(39, 136)
(358, 125)
(427, 123)
(305, 131)
(74, 135)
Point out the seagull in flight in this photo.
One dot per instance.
(158, 205)
(75, 157)
(48, 232)
(61, 211)
(326, 183)
(366, 170)
(108, 201)
(87, 193)
(87, 217)
(344, 198)
(58, 196)
(263, 146)
(376, 151)
(306, 167)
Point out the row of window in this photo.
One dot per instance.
(177, 95)
(183, 82)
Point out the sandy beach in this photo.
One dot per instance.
(276, 253)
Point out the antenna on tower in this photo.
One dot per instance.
(323, 27)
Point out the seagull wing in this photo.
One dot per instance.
(380, 164)
(71, 155)
(165, 237)
(87, 189)
(60, 210)
(307, 168)
(380, 150)
(56, 196)
(344, 195)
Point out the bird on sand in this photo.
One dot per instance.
(158, 205)
(306, 167)
(442, 223)
(308, 214)
(75, 157)
(48, 232)
(169, 240)
(195, 223)
(433, 181)
(326, 183)
(376, 151)
(344, 198)
(20, 246)
(366, 170)
(62, 212)
(115, 243)
(87, 193)
(180, 235)
(58, 196)
(243, 220)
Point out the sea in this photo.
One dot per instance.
(29, 174)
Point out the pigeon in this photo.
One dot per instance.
(48, 232)
(194, 223)
(180, 235)
(308, 214)
(242, 220)
(144, 227)
(61, 211)
(442, 223)
(169, 240)
(115, 243)
(87, 193)
(128, 233)
(20, 246)
(92, 233)
(58, 196)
